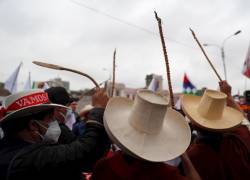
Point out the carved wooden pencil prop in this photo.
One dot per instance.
(205, 54)
(57, 67)
(113, 82)
(166, 60)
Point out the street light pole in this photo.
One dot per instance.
(107, 86)
(223, 51)
(223, 61)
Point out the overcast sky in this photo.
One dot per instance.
(82, 34)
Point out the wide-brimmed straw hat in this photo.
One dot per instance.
(210, 111)
(24, 104)
(146, 127)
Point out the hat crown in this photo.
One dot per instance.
(25, 99)
(212, 104)
(148, 112)
(59, 95)
(13, 97)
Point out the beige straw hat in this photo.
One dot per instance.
(147, 128)
(210, 111)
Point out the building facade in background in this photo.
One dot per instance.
(53, 83)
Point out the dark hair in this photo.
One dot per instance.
(213, 139)
(58, 95)
(12, 126)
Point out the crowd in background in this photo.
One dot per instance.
(43, 136)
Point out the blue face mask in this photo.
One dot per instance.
(52, 134)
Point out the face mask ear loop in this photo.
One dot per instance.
(41, 136)
(40, 124)
(64, 116)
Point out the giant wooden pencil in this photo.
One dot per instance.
(203, 51)
(57, 67)
(114, 66)
(166, 60)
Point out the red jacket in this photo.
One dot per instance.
(230, 161)
(116, 167)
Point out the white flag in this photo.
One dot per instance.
(27, 85)
(70, 119)
(11, 83)
(45, 86)
(154, 84)
(246, 67)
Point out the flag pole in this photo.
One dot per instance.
(196, 39)
(57, 67)
(166, 59)
(113, 82)
(245, 84)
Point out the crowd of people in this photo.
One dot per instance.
(44, 137)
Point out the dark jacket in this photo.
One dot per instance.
(67, 136)
(79, 128)
(22, 160)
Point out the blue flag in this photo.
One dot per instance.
(188, 87)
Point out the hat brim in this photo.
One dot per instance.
(230, 118)
(29, 111)
(171, 141)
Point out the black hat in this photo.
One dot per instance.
(59, 95)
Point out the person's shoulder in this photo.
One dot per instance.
(199, 147)
(165, 171)
(109, 161)
(237, 139)
(242, 132)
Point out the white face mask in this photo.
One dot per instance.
(1, 133)
(52, 134)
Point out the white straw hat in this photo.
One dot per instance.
(147, 128)
(25, 103)
(210, 111)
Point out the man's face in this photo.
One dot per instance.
(38, 128)
(45, 122)
(73, 106)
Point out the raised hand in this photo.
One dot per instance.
(100, 98)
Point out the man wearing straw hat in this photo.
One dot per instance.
(28, 149)
(148, 133)
(222, 148)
